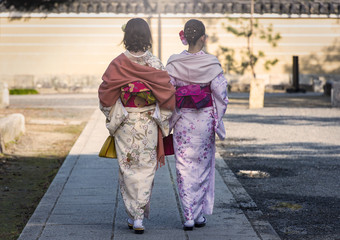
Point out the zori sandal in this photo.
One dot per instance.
(201, 221)
(138, 226)
(188, 225)
(130, 223)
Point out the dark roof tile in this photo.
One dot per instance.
(314, 8)
(325, 8)
(174, 6)
(276, 8)
(304, 9)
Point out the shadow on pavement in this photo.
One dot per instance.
(285, 119)
(282, 100)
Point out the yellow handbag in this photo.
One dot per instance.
(108, 149)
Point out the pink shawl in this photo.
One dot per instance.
(122, 71)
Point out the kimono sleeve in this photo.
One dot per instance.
(220, 96)
(172, 80)
(176, 114)
(117, 115)
(161, 117)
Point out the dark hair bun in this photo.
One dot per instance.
(193, 30)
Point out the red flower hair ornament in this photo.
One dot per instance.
(183, 39)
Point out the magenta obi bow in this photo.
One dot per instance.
(193, 96)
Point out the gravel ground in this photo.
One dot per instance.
(287, 157)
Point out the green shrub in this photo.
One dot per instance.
(24, 91)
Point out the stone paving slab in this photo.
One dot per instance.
(84, 202)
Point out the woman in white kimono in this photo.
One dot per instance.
(201, 101)
(137, 99)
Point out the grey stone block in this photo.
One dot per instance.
(30, 232)
(93, 218)
(11, 127)
(22, 81)
(66, 199)
(90, 191)
(77, 232)
(4, 95)
(82, 209)
(335, 94)
(97, 162)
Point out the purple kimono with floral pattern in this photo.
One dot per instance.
(194, 130)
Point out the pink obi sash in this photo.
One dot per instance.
(193, 96)
(136, 94)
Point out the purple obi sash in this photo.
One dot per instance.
(193, 96)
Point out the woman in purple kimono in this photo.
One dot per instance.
(201, 101)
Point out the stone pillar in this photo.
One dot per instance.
(318, 84)
(4, 95)
(256, 95)
(335, 94)
(11, 127)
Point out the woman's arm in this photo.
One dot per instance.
(220, 96)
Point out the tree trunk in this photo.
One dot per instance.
(256, 95)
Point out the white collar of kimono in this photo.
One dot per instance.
(138, 54)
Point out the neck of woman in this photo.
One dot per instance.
(194, 48)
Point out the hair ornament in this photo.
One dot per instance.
(183, 39)
(123, 27)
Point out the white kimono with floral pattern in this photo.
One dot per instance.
(194, 144)
(135, 131)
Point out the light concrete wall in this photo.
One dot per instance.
(66, 50)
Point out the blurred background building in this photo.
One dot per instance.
(67, 44)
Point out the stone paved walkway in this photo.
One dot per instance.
(83, 201)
